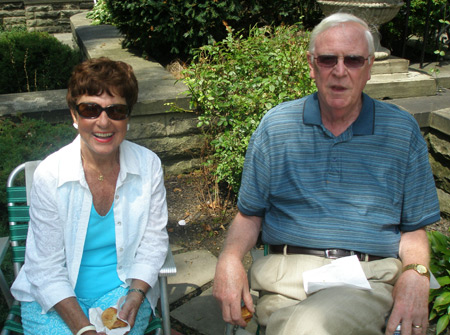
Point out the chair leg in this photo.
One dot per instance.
(229, 329)
(5, 290)
(4, 245)
(165, 312)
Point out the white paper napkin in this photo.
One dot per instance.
(345, 271)
(433, 282)
(95, 317)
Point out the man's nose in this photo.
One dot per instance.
(340, 68)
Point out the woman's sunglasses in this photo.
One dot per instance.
(90, 110)
(351, 62)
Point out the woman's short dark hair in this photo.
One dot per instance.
(98, 75)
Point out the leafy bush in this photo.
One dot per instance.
(26, 139)
(172, 29)
(100, 13)
(234, 82)
(440, 266)
(34, 61)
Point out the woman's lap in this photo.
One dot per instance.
(36, 323)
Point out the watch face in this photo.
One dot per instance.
(421, 269)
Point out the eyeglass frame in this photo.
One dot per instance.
(103, 109)
(337, 60)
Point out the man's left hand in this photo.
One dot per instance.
(410, 304)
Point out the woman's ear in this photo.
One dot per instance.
(74, 118)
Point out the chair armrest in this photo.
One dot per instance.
(169, 268)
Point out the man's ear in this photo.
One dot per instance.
(311, 64)
(372, 60)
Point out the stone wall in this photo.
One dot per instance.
(173, 136)
(439, 154)
(52, 16)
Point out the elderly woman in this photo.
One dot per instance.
(98, 214)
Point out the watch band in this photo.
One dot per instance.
(419, 268)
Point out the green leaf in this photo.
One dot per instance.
(443, 299)
(442, 324)
(443, 280)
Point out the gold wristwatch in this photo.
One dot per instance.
(419, 268)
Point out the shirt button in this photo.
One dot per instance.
(121, 249)
(120, 267)
(119, 223)
(117, 196)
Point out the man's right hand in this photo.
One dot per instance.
(230, 281)
(230, 288)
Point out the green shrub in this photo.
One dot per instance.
(100, 13)
(440, 266)
(170, 29)
(26, 139)
(234, 82)
(34, 61)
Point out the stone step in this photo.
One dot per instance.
(203, 314)
(194, 269)
(400, 85)
(390, 66)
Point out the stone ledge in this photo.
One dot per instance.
(156, 85)
(440, 120)
(390, 66)
(37, 2)
(400, 85)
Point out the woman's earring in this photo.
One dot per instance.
(75, 125)
(128, 126)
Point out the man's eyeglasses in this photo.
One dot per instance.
(90, 110)
(351, 62)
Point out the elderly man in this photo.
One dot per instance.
(330, 175)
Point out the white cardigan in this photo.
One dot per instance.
(59, 211)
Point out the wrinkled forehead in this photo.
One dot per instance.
(342, 39)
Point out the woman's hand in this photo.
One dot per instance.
(133, 302)
(131, 307)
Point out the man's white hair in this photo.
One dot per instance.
(337, 19)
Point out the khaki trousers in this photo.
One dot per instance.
(285, 309)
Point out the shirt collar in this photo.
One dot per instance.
(71, 168)
(364, 124)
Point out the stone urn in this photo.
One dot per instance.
(374, 12)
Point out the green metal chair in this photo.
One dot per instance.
(18, 213)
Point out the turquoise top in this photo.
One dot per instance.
(98, 269)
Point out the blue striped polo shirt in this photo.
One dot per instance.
(355, 191)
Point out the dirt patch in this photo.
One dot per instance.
(196, 220)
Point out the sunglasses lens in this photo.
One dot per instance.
(89, 110)
(92, 111)
(327, 60)
(354, 61)
(330, 61)
(117, 112)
